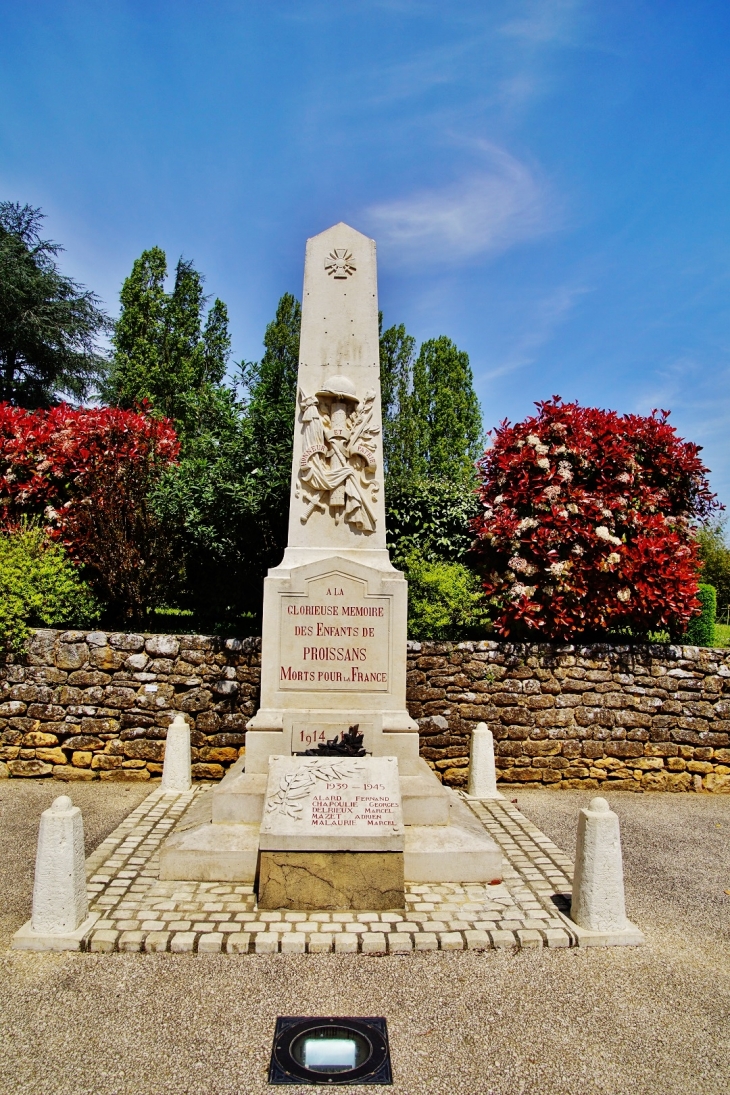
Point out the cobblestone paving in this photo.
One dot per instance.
(141, 913)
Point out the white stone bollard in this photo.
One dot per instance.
(176, 768)
(60, 904)
(482, 772)
(60, 919)
(598, 883)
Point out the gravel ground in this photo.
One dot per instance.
(654, 1019)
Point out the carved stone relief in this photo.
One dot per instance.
(338, 462)
(339, 263)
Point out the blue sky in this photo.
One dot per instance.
(547, 180)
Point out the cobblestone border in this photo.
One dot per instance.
(140, 913)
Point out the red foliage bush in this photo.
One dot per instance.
(87, 474)
(588, 523)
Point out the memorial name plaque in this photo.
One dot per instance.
(332, 804)
(336, 637)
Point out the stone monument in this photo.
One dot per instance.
(335, 611)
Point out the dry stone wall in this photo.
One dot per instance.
(96, 705)
(85, 705)
(632, 717)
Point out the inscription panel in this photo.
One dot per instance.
(332, 803)
(334, 638)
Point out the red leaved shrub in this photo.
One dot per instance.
(87, 475)
(587, 525)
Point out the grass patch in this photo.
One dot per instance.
(722, 634)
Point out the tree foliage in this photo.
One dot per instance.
(167, 353)
(432, 436)
(586, 525)
(701, 630)
(432, 517)
(49, 324)
(271, 390)
(39, 586)
(445, 600)
(715, 558)
(431, 416)
(88, 475)
(230, 490)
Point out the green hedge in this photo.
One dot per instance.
(701, 631)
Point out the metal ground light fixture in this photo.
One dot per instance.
(330, 1050)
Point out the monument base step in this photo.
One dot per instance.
(448, 853)
(198, 851)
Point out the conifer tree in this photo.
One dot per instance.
(397, 353)
(162, 352)
(49, 324)
(432, 437)
(446, 405)
(271, 387)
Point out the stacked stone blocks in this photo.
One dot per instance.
(96, 705)
(625, 717)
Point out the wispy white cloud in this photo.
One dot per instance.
(488, 210)
(544, 21)
(547, 316)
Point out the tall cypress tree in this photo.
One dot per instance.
(432, 436)
(271, 387)
(162, 353)
(231, 488)
(397, 353)
(447, 404)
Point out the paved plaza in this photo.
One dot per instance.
(140, 913)
(513, 1021)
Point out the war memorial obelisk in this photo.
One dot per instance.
(334, 640)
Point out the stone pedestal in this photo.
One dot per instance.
(60, 917)
(482, 771)
(176, 768)
(598, 906)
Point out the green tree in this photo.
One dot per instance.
(432, 434)
(450, 438)
(39, 586)
(271, 390)
(49, 324)
(715, 556)
(163, 352)
(701, 630)
(397, 354)
(230, 490)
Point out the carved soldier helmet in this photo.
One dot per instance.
(339, 387)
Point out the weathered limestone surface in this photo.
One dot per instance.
(331, 880)
(637, 718)
(332, 804)
(598, 905)
(97, 705)
(60, 916)
(176, 769)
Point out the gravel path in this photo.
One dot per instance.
(654, 1019)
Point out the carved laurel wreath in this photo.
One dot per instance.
(298, 784)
